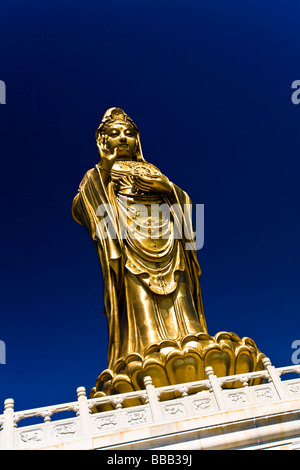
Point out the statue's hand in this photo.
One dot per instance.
(107, 159)
(155, 184)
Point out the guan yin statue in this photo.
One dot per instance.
(140, 223)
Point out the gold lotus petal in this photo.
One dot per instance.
(156, 370)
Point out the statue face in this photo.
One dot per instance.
(124, 137)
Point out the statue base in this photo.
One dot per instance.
(171, 362)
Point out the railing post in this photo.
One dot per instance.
(152, 399)
(83, 410)
(216, 388)
(274, 377)
(8, 424)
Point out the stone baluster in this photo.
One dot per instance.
(274, 377)
(8, 424)
(118, 402)
(84, 413)
(152, 399)
(215, 386)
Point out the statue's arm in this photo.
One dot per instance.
(76, 211)
(107, 159)
(105, 175)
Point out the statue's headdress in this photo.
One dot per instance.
(118, 116)
(115, 116)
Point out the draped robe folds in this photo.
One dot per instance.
(138, 311)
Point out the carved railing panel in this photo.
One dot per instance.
(152, 406)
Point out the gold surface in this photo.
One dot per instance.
(152, 294)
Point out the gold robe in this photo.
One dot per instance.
(151, 283)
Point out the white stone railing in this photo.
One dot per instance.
(187, 399)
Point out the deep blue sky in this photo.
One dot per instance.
(209, 85)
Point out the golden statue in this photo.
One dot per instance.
(143, 235)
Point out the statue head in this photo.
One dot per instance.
(120, 131)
